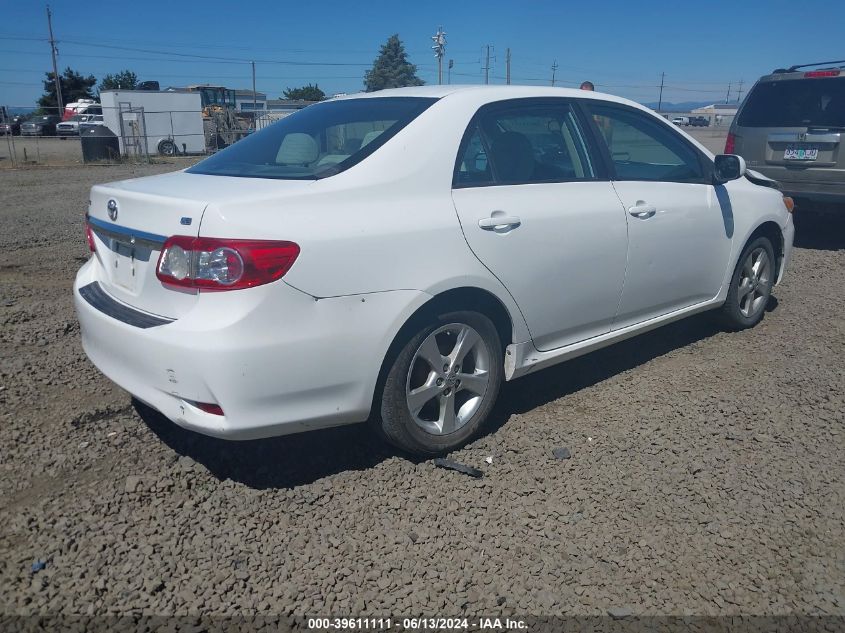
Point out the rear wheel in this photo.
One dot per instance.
(442, 385)
(167, 148)
(751, 286)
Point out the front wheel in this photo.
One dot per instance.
(442, 385)
(751, 286)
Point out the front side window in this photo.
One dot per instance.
(644, 149)
(318, 141)
(522, 144)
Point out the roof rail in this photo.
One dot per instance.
(796, 67)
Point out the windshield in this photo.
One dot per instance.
(796, 103)
(318, 141)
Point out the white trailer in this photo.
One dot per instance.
(155, 122)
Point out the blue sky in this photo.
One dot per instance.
(621, 46)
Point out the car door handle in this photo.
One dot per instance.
(499, 222)
(642, 211)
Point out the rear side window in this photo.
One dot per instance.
(642, 148)
(319, 141)
(795, 103)
(520, 144)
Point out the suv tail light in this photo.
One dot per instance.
(220, 264)
(730, 143)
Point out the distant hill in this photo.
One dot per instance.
(683, 106)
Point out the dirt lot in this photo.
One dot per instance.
(706, 474)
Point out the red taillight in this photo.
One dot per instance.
(208, 407)
(89, 233)
(730, 144)
(220, 264)
(822, 73)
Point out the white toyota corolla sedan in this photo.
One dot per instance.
(395, 256)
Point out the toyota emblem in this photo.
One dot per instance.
(112, 207)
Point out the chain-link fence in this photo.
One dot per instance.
(42, 136)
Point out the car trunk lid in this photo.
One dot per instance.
(132, 219)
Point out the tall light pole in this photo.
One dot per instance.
(439, 49)
(451, 63)
(55, 66)
(554, 71)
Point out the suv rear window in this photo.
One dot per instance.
(795, 103)
(318, 141)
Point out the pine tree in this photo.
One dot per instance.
(391, 69)
(74, 87)
(124, 80)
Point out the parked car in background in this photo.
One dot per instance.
(699, 121)
(395, 256)
(40, 125)
(12, 125)
(791, 127)
(680, 120)
(71, 126)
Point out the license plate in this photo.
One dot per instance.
(794, 152)
(124, 265)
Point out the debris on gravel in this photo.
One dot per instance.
(618, 613)
(561, 452)
(442, 462)
(712, 485)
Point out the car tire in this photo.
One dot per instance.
(167, 147)
(751, 286)
(429, 410)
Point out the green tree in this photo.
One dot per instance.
(124, 80)
(391, 69)
(74, 87)
(305, 93)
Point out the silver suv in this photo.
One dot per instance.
(791, 127)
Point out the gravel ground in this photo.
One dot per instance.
(705, 474)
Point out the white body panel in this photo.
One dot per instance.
(676, 257)
(564, 264)
(167, 115)
(380, 240)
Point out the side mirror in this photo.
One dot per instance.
(728, 167)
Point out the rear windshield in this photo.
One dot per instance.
(796, 103)
(318, 141)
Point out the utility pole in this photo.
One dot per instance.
(451, 63)
(55, 66)
(554, 70)
(254, 100)
(487, 66)
(728, 96)
(508, 67)
(439, 49)
(660, 101)
(739, 91)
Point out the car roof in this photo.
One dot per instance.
(490, 93)
(798, 72)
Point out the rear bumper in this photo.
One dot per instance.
(828, 191)
(275, 359)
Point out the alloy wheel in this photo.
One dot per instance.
(448, 378)
(754, 282)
